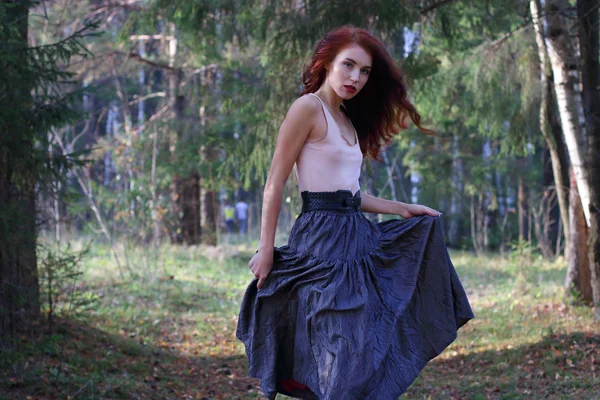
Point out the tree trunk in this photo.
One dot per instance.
(19, 286)
(189, 192)
(404, 184)
(156, 224)
(549, 126)
(560, 164)
(209, 155)
(456, 201)
(562, 52)
(186, 186)
(578, 272)
(209, 212)
(478, 225)
(552, 216)
(369, 170)
(587, 12)
(523, 207)
(390, 175)
(504, 227)
(488, 215)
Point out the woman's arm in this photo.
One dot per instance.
(381, 206)
(293, 132)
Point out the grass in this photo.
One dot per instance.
(165, 330)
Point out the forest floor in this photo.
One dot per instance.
(163, 328)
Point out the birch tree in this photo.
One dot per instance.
(562, 51)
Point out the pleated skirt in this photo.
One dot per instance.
(352, 309)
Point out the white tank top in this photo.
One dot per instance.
(331, 163)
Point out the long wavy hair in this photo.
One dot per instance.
(381, 108)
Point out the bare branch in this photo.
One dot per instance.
(148, 96)
(153, 118)
(148, 37)
(87, 190)
(131, 5)
(80, 134)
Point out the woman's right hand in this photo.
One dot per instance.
(261, 264)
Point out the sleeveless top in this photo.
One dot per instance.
(331, 163)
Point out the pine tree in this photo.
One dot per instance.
(31, 104)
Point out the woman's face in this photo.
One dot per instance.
(349, 71)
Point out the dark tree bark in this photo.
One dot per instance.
(578, 272)
(548, 184)
(587, 12)
(187, 187)
(209, 213)
(188, 190)
(19, 287)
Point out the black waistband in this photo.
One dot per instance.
(342, 200)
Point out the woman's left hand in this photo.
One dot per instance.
(412, 210)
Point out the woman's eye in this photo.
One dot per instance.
(347, 64)
(365, 72)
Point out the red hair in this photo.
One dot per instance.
(380, 109)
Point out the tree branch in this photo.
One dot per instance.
(149, 37)
(434, 6)
(524, 26)
(131, 5)
(155, 64)
(153, 118)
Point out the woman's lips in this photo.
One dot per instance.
(350, 88)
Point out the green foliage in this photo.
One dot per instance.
(33, 101)
(521, 258)
(472, 73)
(490, 89)
(59, 278)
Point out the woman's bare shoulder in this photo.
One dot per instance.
(304, 107)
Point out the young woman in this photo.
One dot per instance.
(348, 309)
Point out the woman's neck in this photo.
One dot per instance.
(330, 97)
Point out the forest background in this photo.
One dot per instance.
(127, 125)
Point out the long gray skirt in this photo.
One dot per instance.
(352, 309)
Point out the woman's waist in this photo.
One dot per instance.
(339, 200)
